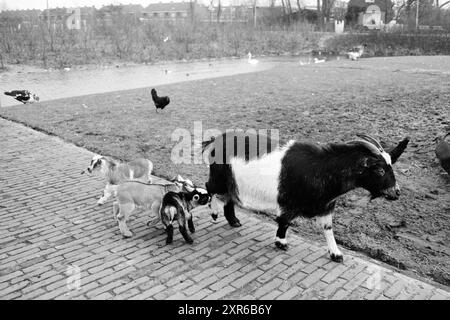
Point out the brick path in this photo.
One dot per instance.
(51, 228)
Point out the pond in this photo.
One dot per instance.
(57, 84)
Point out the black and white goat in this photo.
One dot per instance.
(116, 172)
(298, 179)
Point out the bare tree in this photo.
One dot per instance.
(284, 6)
(319, 15)
(219, 11)
(327, 7)
(192, 4)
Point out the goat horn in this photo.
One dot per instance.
(366, 144)
(371, 139)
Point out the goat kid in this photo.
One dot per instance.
(116, 172)
(298, 179)
(132, 196)
(178, 206)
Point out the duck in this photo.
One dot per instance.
(23, 96)
(319, 60)
(250, 60)
(356, 52)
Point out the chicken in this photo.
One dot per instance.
(356, 52)
(160, 102)
(23, 96)
(443, 152)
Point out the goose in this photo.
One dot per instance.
(250, 60)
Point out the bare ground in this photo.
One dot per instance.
(388, 97)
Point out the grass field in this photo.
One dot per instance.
(388, 97)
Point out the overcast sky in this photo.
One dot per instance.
(41, 4)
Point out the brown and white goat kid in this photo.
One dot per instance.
(298, 179)
(116, 172)
(179, 206)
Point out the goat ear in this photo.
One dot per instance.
(396, 152)
(187, 187)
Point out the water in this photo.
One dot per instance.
(56, 84)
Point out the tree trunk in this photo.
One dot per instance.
(284, 6)
(219, 11)
(254, 13)
(319, 15)
(192, 9)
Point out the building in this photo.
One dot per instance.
(183, 10)
(174, 11)
(369, 14)
(231, 14)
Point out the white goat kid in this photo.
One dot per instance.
(116, 172)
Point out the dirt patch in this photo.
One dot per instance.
(323, 102)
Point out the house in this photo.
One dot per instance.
(174, 11)
(107, 13)
(369, 14)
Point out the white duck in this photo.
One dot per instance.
(356, 52)
(252, 61)
(318, 60)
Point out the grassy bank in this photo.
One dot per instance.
(323, 102)
(393, 43)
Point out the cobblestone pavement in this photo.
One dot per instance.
(56, 243)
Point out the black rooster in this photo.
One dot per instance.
(160, 102)
(23, 96)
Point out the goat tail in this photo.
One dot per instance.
(205, 144)
(150, 167)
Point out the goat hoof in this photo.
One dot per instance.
(214, 216)
(192, 230)
(234, 223)
(282, 246)
(168, 241)
(127, 234)
(190, 241)
(337, 257)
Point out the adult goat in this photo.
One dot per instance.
(298, 179)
